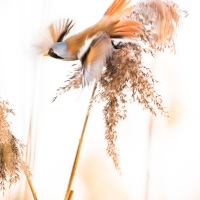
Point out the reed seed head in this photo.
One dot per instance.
(126, 79)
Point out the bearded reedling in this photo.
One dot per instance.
(110, 26)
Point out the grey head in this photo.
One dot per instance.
(58, 31)
(59, 51)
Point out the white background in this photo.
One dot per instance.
(51, 131)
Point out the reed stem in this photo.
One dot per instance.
(31, 186)
(149, 143)
(69, 192)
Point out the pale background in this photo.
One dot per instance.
(51, 131)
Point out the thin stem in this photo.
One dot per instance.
(31, 185)
(69, 192)
(150, 132)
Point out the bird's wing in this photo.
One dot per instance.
(94, 58)
(60, 29)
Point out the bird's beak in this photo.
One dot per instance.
(46, 54)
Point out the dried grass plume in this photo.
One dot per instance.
(126, 78)
(11, 150)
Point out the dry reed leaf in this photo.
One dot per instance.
(125, 78)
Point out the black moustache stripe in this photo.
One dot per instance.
(54, 55)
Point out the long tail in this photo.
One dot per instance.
(115, 26)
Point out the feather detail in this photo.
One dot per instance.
(94, 58)
(127, 28)
(119, 9)
(60, 29)
(116, 6)
(114, 24)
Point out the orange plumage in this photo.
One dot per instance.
(111, 25)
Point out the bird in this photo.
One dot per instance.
(112, 25)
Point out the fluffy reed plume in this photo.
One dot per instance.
(160, 20)
(11, 163)
(126, 79)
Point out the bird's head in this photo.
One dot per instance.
(60, 49)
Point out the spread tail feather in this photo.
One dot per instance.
(117, 7)
(126, 28)
(117, 27)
